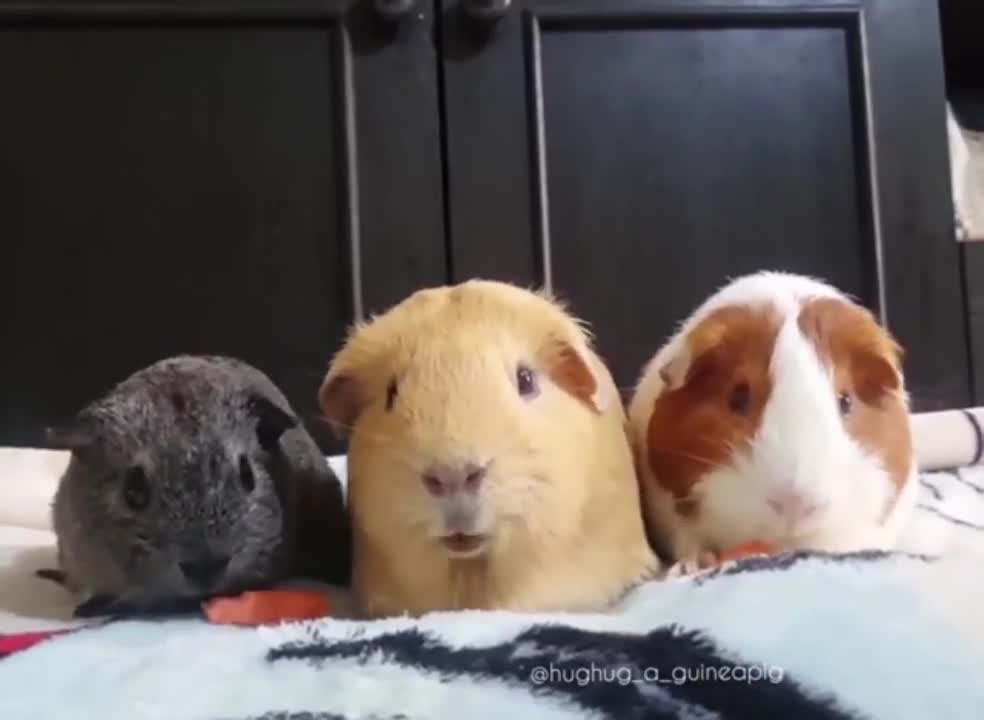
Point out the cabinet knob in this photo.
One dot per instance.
(393, 9)
(486, 10)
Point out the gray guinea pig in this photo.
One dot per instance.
(193, 478)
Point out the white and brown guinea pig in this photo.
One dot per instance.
(777, 414)
(489, 465)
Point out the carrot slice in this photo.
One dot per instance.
(267, 607)
(746, 550)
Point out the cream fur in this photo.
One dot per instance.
(561, 498)
(801, 440)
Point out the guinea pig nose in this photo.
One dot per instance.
(443, 479)
(792, 505)
(204, 570)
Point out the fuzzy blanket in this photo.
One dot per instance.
(800, 636)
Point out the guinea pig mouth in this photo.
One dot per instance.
(462, 545)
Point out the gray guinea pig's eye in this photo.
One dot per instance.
(136, 488)
(246, 476)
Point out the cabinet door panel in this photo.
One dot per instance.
(218, 178)
(634, 155)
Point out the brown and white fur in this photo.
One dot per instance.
(777, 413)
(489, 465)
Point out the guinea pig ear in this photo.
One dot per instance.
(688, 366)
(876, 371)
(568, 366)
(674, 371)
(341, 398)
(272, 421)
(849, 334)
(697, 355)
(78, 436)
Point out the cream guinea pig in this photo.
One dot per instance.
(489, 465)
(777, 413)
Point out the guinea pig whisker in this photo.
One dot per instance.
(740, 450)
(683, 454)
(710, 439)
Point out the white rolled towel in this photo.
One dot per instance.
(949, 438)
(28, 477)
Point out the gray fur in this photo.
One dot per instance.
(186, 421)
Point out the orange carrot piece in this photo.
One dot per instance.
(746, 550)
(266, 607)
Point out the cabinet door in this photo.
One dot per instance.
(244, 178)
(634, 154)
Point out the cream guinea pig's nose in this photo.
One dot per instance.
(445, 479)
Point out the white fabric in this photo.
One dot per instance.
(27, 602)
(28, 479)
(967, 177)
(946, 439)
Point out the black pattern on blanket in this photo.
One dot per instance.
(666, 673)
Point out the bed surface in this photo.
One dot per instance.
(862, 636)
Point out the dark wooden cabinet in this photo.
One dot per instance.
(209, 177)
(633, 154)
(247, 177)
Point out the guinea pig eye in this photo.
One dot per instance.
(136, 488)
(844, 403)
(246, 477)
(525, 381)
(391, 392)
(740, 397)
